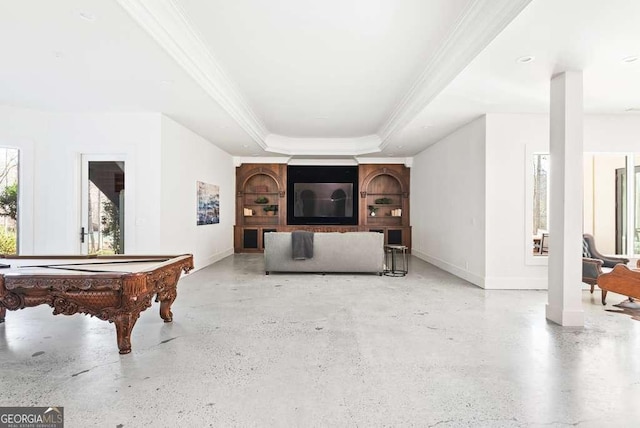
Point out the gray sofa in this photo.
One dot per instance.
(332, 252)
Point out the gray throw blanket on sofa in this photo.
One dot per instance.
(301, 245)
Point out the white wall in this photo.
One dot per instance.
(12, 127)
(448, 203)
(187, 158)
(53, 143)
(511, 138)
(163, 162)
(604, 200)
(612, 133)
(609, 134)
(588, 207)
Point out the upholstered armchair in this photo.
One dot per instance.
(591, 270)
(593, 262)
(589, 250)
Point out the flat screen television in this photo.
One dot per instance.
(322, 195)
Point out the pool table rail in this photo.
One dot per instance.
(115, 297)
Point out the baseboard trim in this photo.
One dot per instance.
(565, 317)
(516, 283)
(489, 283)
(199, 264)
(452, 269)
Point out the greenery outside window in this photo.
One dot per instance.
(8, 200)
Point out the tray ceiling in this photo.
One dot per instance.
(308, 78)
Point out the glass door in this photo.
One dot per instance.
(103, 187)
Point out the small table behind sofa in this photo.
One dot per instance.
(332, 252)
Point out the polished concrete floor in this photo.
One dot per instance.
(294, 350)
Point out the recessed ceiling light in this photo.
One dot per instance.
(526, 59)
(426, 126)
(246, 146)
(390, 154)
(399, 147)
(167, 82)
(87, 16)
(632, 109)
(630, 59)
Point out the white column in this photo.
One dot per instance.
(564, 306)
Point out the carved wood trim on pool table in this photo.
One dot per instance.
(115, 297)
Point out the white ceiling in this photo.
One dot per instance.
(319, 69)
(588, 35)
(316, 78)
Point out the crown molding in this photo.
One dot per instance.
(323, 146)
(168, 25)
(478, 25)
(408, 161)
(323, 161)
(239, 160)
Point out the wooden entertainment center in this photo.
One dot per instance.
(261, 204)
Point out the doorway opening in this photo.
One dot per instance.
(103, 206)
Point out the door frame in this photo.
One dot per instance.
(83, 209)
(26, 188)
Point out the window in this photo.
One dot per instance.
(540, 193)
(611, 210)
(540, 202)
(8, 200)
(605, 201)
(628, 207)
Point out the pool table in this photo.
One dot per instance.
(112, 288)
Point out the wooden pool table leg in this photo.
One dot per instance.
(166, 298)
(3, 312)
(124, 324)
